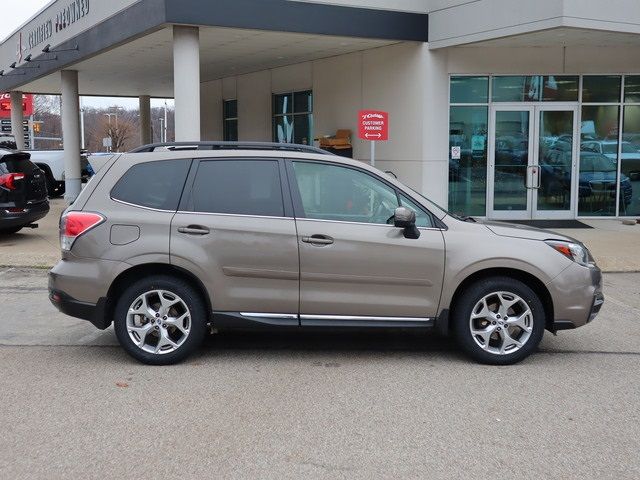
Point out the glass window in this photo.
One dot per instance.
(632, 89)
(601, 88)
(630, 162)
(243, 187)
(422, 218)
(230, 120)
(535, 88)
(469, 89)
(331, 192)
(153, 184)
(468, 167)
(598, 160)
(293, 118)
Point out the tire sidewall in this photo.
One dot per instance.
(194, 303)
(468, 300)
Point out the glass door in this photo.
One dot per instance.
(510, 148)
(532, 162)
(555, 162)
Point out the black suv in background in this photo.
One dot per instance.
(23, 192)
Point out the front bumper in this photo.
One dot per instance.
(577, 296)
(30, 214)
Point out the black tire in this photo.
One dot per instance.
(194, 302)
(10, 231)
(473, 294)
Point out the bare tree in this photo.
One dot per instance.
(46, 104)
(119, 134)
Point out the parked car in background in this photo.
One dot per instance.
(52, 163)
(23, 192)
(598, 177)
(170, 244)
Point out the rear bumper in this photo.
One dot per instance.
(94, 313)
(30, 214)
(577, 297)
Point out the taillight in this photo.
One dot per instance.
(76, 224)
(8, 180)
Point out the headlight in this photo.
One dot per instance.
(573, 251)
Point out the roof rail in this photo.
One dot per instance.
(186, 146)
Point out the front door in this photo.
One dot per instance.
(356, 268)
(532, 162)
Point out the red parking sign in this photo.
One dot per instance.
(373, 125)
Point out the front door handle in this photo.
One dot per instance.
(318, 240)
(194, 230)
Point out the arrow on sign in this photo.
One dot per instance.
(376, 135)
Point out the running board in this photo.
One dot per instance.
(254, 319)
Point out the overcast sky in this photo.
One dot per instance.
(17, 12)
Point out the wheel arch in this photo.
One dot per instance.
(140, 271)
(527, 278)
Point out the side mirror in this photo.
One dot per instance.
(406, 219)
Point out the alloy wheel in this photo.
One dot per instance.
(501, 323)
(158, 322)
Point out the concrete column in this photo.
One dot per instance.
(71, 134)
(435, 146)
(145, 119)
(186, 82)
(17, 119)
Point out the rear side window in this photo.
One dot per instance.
(153, 184)
(241, 187)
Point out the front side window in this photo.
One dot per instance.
(241, 187)
(331, 192)
(153, 184)
(293, 118)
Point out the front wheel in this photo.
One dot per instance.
(160, 320)
(498, 321)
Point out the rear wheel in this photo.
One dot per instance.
(160, 320)
(499, 321)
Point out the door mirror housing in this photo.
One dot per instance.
(406, 219)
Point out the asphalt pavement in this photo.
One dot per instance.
(333, 405)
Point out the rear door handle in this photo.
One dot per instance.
(318, 240)
(194, 230)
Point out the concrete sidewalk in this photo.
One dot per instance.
(615, 246)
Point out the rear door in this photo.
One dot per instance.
(356, 268)
(235, 230)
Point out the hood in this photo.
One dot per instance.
(523, 231)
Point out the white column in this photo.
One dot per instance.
(145, 119)
(71, 134)
(186, 82)
(17, 119)
(435, 147)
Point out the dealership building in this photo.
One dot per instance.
(505, 109)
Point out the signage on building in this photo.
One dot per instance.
(373, 125)
(5, 105)
(38, 36)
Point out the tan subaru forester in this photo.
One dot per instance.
(172, 241)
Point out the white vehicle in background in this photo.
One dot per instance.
(52, 163)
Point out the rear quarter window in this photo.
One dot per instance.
(153, 184)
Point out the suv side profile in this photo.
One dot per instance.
(169, 244)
